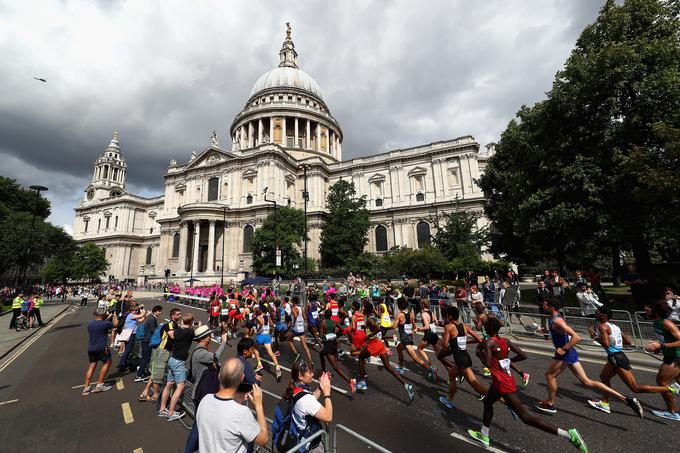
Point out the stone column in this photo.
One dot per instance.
(183, 240)
(211, 248)
(250, 134)
(271, 129)
(244, 138)
(318, 137)
(308, 138)
(197, 240)
(284, 138)
(259, 131)
(295, 139)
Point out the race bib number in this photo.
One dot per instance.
(346, 322)
(225, 312)
(334, 311)
(462, 343)
(378, 335)
(315, 315)
(433, 328)
(408, 329)
(265, 329)
(240, 310)
(330, 336)
(360, 325)
(505, 365)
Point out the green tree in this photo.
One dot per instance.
(89, 262)
(345, 231)
(458, 235)
(289, 232)
(579, 170)
(425, 263)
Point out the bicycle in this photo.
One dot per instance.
(21, 323)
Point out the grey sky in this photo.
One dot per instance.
(165, 74)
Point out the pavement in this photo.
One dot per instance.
(41, 408)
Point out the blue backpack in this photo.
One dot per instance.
(156, 337)
(139, 332)
(285, 433)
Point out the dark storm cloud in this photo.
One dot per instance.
(166, 74)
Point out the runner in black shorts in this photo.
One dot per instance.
(329, 330)
(611, 338)
(429, 330)
(455, 342)
(403, 322)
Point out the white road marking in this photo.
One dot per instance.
(31, 341)
(8, 402)
(119, 383)
(78, 386)
(137, 450)
(127, 413)
(477, 444)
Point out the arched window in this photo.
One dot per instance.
(380, 239)
(423, 232)
(247, 238)
(175, 245)
(149, 253)
(212, 189)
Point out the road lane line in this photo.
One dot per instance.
(119, 383)
(476, 444)
(137, 450)
(78, 386)
(8, 402)
(31, 341)
(127, 413)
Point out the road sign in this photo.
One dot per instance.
(278, 257)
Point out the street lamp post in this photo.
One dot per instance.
(37, 189)
(224, 231)
(305, 197)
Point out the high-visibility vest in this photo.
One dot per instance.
(38, 301)
(16, 303)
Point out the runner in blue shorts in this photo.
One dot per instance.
(298, 329)
(313, 317)
(565, 339)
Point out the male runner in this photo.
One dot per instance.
(668, 343)
(503, 386)
(404, 325)
(297, 329)
(264, 338)
(429, 330)
(564, 339)
(375, 348)
(330, 330)
(611, 338)
(313, 312)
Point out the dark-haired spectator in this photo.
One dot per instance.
(149, 325)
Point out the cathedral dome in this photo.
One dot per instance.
(287, 77)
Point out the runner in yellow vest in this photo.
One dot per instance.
(385, 325)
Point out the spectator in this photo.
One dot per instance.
(225, 425)
(177, 371)
(408, 291)
(159, 358)
(588, 300)
(474, 295)
(673, 302)
(245, 350)
(542, 294)
(97, 350)
(133, 319)
(149, 326)
(308, 413)
(489, 292)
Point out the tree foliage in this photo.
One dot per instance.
(458, 236)
(345, 232)
(591, 167)
(289, 231)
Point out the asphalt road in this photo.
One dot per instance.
(51, 415)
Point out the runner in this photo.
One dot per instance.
(375, 348)
(330, 330)
(429, 330)
(611, 338)
(358, 328)
(385, 323)
(264, 338)
(668, 343)
(455, 342)
(213, 311)
(564, 339)
(297, 329)
(404, 325)
(503, 386)
(312, 311)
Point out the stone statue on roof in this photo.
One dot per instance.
(213, 139)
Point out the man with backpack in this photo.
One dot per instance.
(161, 345)
(299, 414)
(147, 329)
(225, 425)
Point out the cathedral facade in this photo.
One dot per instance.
(285, 147)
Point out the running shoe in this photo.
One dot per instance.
(666, 414)
(141, 378)
(353, 385)
(176, 416)
(361, 386)
(600, 405)
(577, 441)
(479, 437)
(481, 397)
(546, 407)
(673, 389)
(259, 367)
(86, 391)
(102, 388)
(297, 356)
(278, 374)
(460, 379)
(410, 392)
(634, 404)
(341, 353)
(447, 402)
(676, 386)
(525, 380)
(164, 413)
(399, 369)
(486, 372)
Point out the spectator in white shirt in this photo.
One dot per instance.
(587, 299)
(673, 301)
